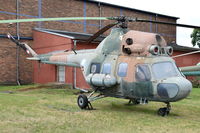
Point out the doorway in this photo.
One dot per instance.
(61, 74)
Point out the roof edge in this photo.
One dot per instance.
(138, 10)
(51, 32)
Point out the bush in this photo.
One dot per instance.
(196, 82)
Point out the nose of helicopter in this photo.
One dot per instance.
(175, 88)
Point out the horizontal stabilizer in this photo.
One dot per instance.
(61, 63)
(33, 58)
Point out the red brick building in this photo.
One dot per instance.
(53, 40)
(14, 68)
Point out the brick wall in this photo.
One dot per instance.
(8, 64)
(60, 8)
(7, 61)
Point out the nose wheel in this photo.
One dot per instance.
(83, 101)
(164, 111)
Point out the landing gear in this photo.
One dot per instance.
(83, 101)
(138, 101)
(133, 102)
(164, 111)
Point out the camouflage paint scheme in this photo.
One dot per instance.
(114, 50)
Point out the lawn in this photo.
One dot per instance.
(49, 110)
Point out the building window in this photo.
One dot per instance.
(142, 73)
(95, 68)
(106, 68)
(122, 69)
(61, 74)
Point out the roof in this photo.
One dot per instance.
(72, 35)
(129, 8)
(84, 37)
(183, 48)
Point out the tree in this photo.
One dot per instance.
(196, 37)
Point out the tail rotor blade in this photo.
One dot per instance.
(16, 41)
(24, 46)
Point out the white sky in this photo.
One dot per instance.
(187, 10)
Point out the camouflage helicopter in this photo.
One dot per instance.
(127, 64)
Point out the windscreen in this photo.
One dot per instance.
(163, 70)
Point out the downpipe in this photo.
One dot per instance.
(100, 10)
(18, 49)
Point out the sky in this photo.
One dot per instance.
(187, 10)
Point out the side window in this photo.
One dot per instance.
(95, 68)
(122, 69)
(106, 68)
(142, 73)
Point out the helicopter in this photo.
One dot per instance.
(127, 64)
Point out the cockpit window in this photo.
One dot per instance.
(142, 73)
(163, 70)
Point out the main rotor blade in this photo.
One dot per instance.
(101, 31)
(180, 55)
(52, 19)
(167, 23)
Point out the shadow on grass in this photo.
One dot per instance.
(134, 109)
(112, 107)
(131, 108)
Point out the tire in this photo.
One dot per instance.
(82, 101)
(163, 112)
(136, 101)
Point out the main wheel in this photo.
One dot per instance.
(163, 111)
(82, 101)
(136, 101)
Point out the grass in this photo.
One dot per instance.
(48, 110)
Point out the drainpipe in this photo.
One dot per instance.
(74, 68)
(17, 50)
(74, 71)
(156, 24)
(100, 22)
(74, 84)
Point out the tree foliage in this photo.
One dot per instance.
(196, 37)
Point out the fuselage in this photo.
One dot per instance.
(153, 78)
